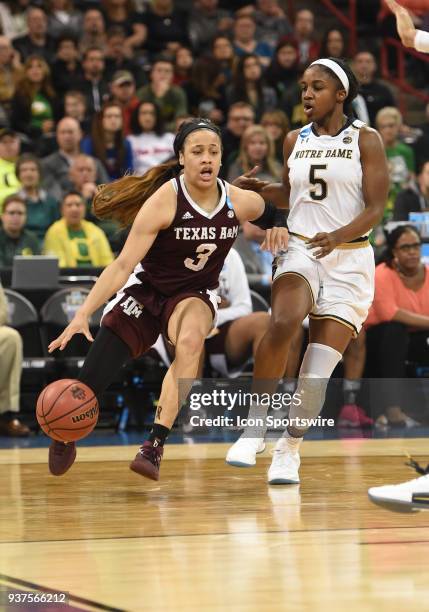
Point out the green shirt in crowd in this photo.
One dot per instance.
(41, 110)
(26, 244)
(401, 163)
(41, 213)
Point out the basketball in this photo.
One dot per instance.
(67, 410)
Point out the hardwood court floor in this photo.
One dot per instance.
(212, 537)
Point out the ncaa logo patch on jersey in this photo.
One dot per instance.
(305, 132)
(347, 139)
(230, 214)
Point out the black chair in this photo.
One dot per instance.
(38, 368)
(259, 304)
(56, 313)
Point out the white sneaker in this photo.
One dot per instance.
(243, 452)
(408, 496)
(285, 465)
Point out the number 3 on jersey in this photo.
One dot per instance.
(203, 253)
(321, 185)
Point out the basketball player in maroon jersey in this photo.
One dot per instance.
(165, 275)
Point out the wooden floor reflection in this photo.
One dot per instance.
(212, 537)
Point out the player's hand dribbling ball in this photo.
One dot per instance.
(67, 410)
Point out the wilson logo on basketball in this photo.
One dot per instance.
(89, 414)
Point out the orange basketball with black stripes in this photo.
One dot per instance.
(67, 410)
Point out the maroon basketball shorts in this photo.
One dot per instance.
(138, 319)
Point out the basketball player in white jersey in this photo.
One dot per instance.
(336, 179)
(412, 495)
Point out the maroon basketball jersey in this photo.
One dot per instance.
(189, 255)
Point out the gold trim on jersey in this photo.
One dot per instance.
(359, 244)
(338, 320)
(300, 276)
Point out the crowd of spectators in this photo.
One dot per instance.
(92, 90)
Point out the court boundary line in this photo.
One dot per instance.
(217, 533)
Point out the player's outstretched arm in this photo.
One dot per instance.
(157, 214)
(375, 188)
(276, 193)
(410, 37)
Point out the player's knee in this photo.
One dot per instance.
(190, 343)
(284, 326)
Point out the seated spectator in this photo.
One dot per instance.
(161, 91)
(205, 91)
(399, 155)
(282, 74)
(303, 32)
(76, 242)
(66, 70)
(150, 143)
(245, 42)
(376, 94)
(291, 104)
(415, 198)
(258, 264)
(42, 209)
(333, 44)
(398, 321)
(206, 20)
(223, 52)
(10, 375)
(256, 149)
(93, 83)
(82, 179)
(107, 141)
(63, 19)
(93, 31)
(10, 73)
(167, 25)
(271, 22)
(183, 61)
(239, 330)
(123, 88)
(13, 22)
(116, 57)
(75, 107)
(14, 238)
(9, 151)
(34, 104)
(122, 14)
(55, 167)
(37, 41)
(276, 125)
(240, 116)
(248, 86)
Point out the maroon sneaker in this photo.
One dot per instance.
(61, 457)
(148, 460)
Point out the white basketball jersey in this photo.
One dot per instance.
(325, 176)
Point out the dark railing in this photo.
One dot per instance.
(400, 78)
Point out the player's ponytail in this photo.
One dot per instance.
(122, 199)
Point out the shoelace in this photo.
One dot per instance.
(416, 466)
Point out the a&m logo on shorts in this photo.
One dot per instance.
(132, 308)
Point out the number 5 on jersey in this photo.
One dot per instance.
(203, 253)
(321, 191)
